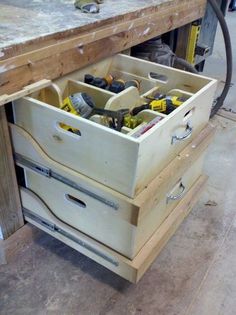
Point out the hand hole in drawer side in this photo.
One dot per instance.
(158, 77)
(70, 130)
(188, 114)
(76, 201)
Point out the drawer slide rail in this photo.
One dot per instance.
(54, 228)
(45, 171)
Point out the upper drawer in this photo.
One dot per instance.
(121, 161)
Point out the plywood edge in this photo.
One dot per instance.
(159, 239)
(26, 90)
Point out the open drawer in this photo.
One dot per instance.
(120, 161)
(130, 269)
(121, 223)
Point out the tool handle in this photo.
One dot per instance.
(138, 109)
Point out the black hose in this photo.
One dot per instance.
(228, 48)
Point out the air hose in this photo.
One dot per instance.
(187, 66)
(228, 48)
(154, 50)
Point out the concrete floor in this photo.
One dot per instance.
(194, 275)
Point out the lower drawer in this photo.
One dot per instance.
(130, 269)
(121, 223)
(86, 215)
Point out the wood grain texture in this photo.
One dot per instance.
(54, 55)
(10, 207)
(182, 41)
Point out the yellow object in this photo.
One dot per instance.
(192, 41)
(68, 107)
(165, 105)
(132, 121)
(158, 105)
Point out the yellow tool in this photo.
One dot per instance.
(192, 41)
(80, 104)
(163, 104)
(132, 121)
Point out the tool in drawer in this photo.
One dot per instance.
(147, 127)
(102, 83)
(80, 104)
(110, 83)
(161, 103)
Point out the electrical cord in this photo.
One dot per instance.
(228, 48)
(229, 59)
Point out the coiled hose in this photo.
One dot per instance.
(229, 60)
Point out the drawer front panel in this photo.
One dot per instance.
(175, 192)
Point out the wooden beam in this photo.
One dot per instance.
(67, 55)
(11, 217)
(182, 40)
(227, 114)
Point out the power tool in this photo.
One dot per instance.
(160, 103)
(102, 83)
(80, 104)
(111, 84)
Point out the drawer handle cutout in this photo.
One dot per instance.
(179, 196)
(75, 200)
(188, 114)
(158, 77)
(70, 130)
(187, 134)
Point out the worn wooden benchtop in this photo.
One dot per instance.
(45, 39)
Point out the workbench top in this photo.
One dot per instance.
(25, 20)
(46, 39)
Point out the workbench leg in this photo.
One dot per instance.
(11, 218)
(182, 40)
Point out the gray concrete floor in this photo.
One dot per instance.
(194, 275)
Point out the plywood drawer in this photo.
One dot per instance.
(85, 214)
(121, 223)
(119, 161)
(130, 269)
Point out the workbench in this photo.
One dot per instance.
(48, 39)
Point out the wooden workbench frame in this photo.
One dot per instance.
(55, 55)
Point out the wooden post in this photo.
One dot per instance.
(11, 218)
(182, 41)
